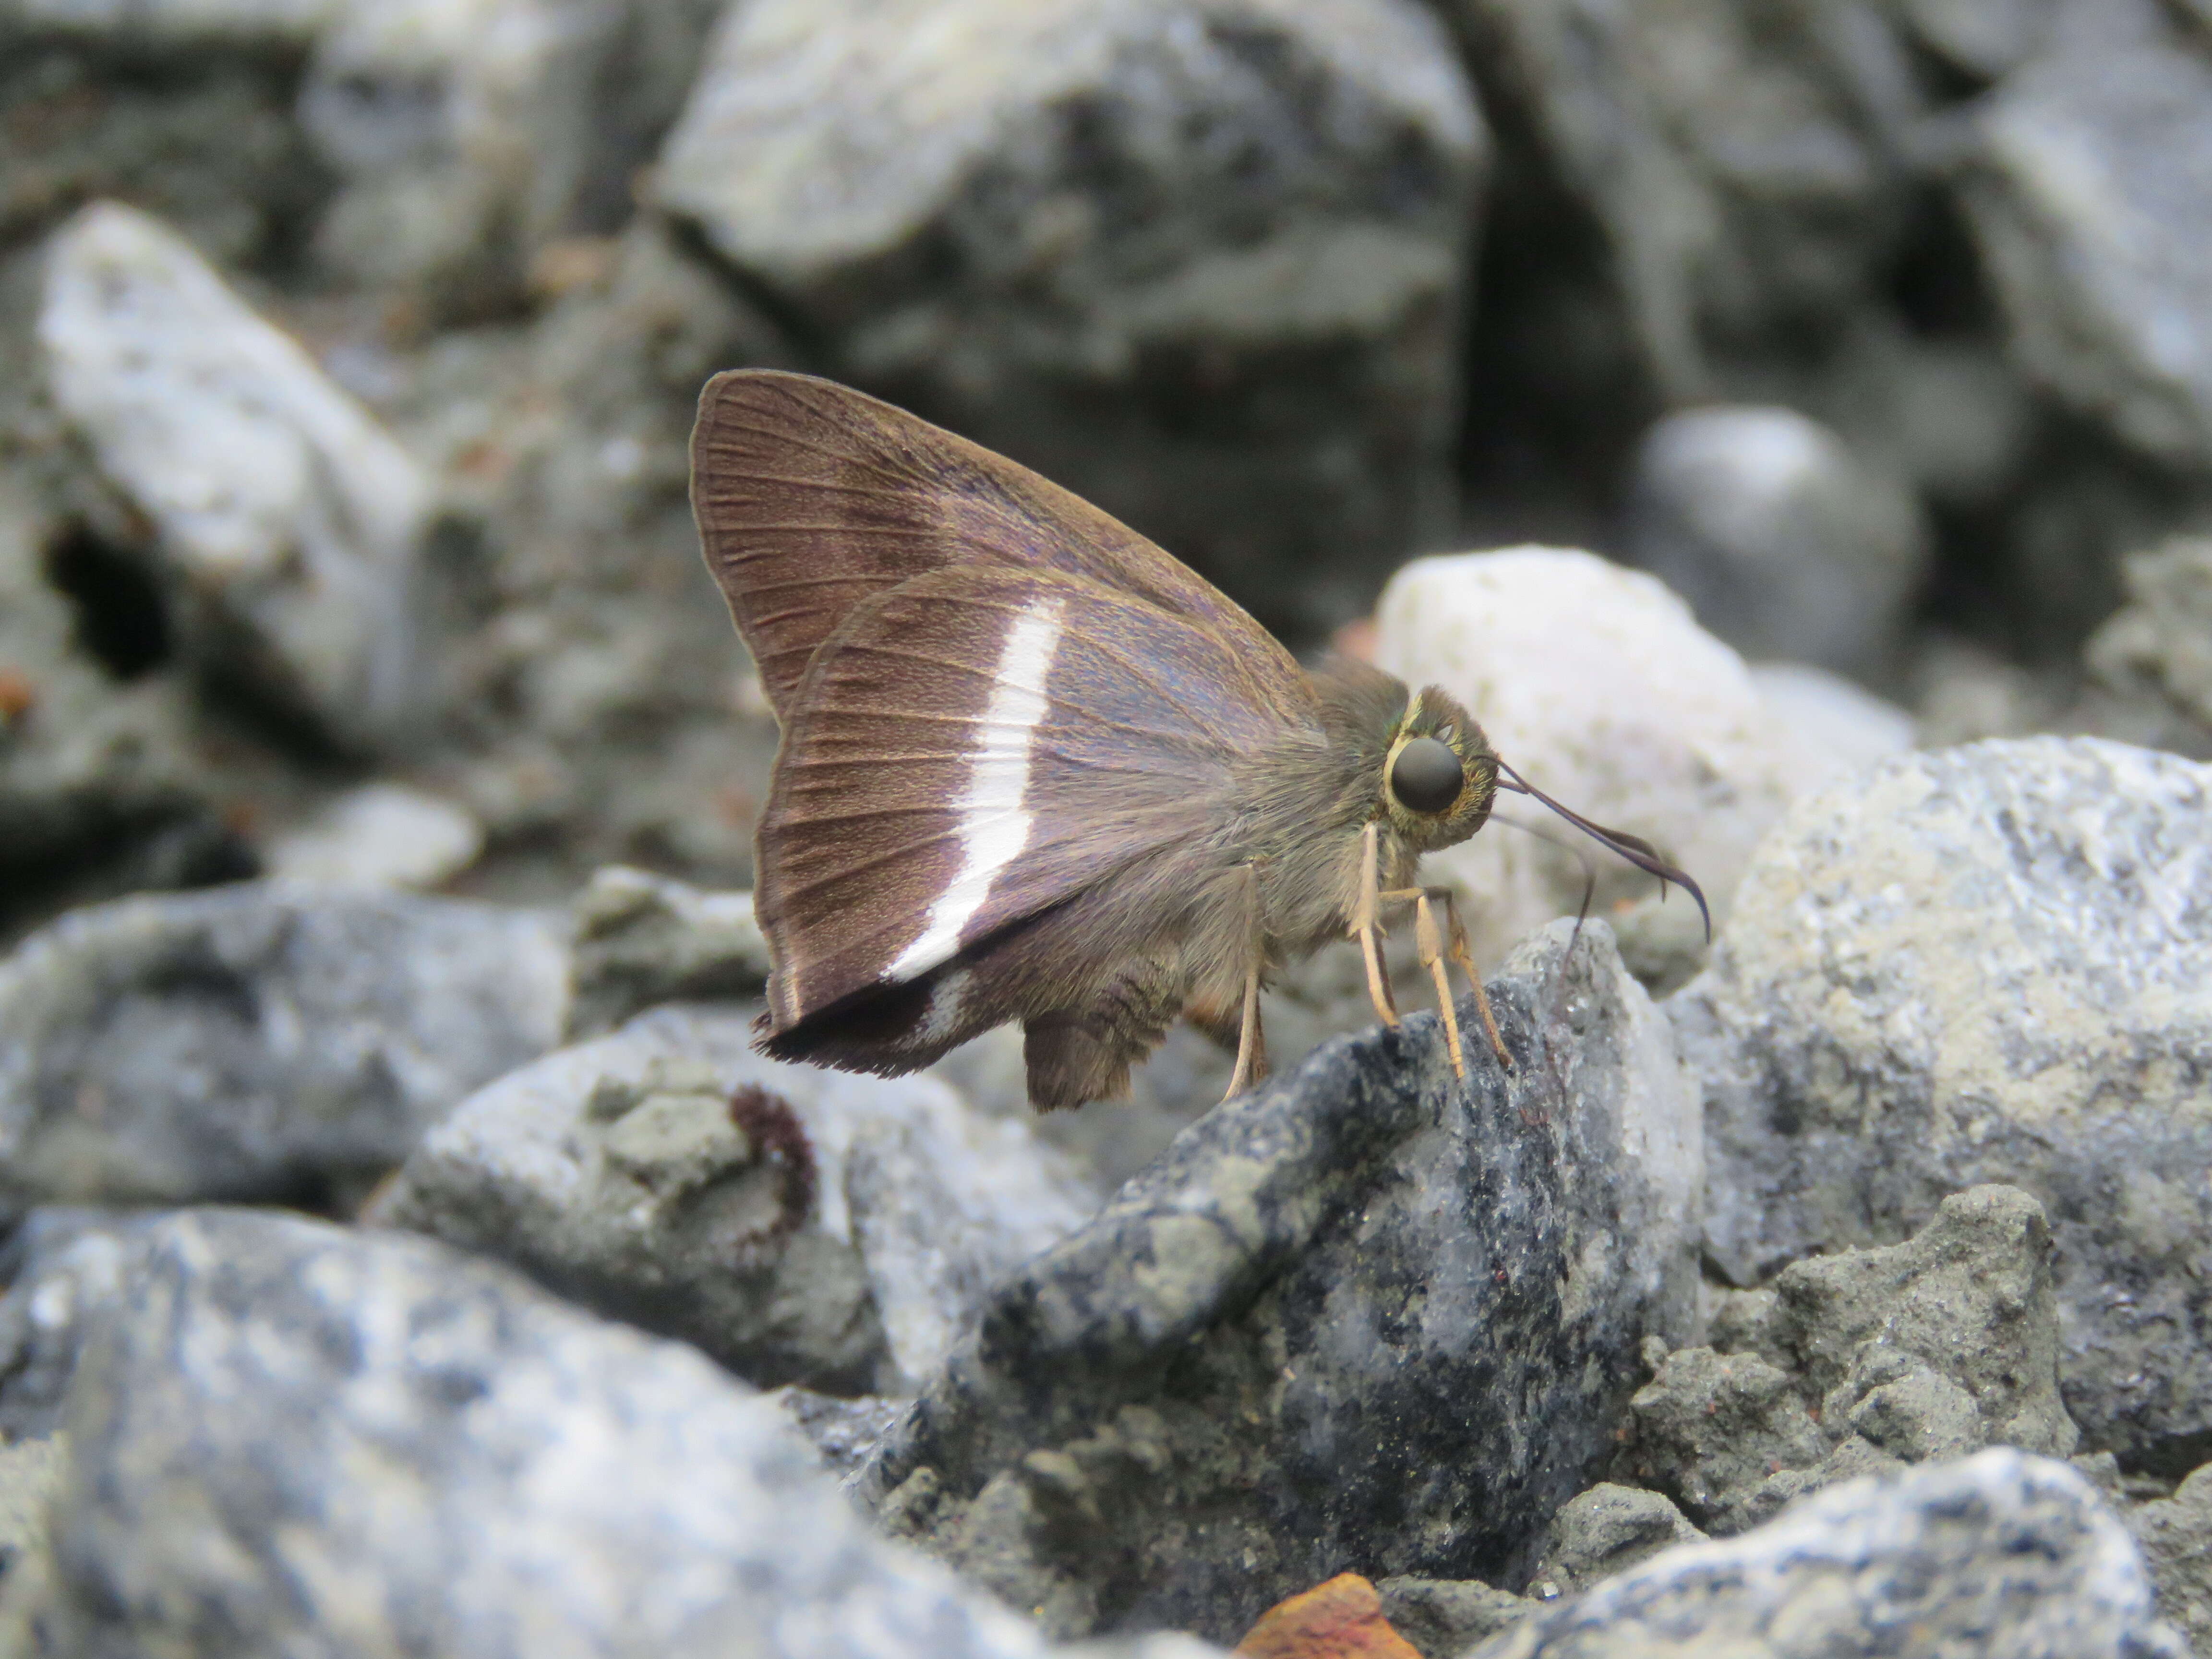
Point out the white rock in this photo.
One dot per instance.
(1596, 685)
(279, 502)
(382, 835)
(1832, 715)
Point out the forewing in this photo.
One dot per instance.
(811, 498)
(973, 747)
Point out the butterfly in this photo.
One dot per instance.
(1033, 768)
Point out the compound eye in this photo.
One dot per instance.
(1426, 776)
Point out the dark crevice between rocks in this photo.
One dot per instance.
(155, 851)
(121, 617)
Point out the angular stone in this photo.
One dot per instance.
(383, 1446)
(2089, 190)
(2159, 644)
(796, 1223)
(642, 938)
(2176, 1535)
(1444, 1617)
(1784, 542)
(1321, 1333)
(1710, 1429)
(1605, 1530)
(1201, 263)
(286, 517)
(2000, 1553)
(259, 1041)
(1985, 964)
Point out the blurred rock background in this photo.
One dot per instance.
(348, 350)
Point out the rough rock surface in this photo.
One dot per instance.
(641, 939)
(2176, 1535)
(1443, 1618)
(1603, 1531)
(1780, 540)
(468, 138)
(1985, 964)
(63, 1264)
(1072, 230)
(380, 835)
(286, 518)
(1861, 1361)
(259, 1041)
(2000, 1553)
(2089, 188)
(1597, 684)
(2159, 644)
(796, 1223)
(1365, 1318)
(387, 1447)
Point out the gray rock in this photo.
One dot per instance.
(1201, 261)
(467, 138)
(846, 1432)
(1784, 542)
(2000, 1553)
(2175, 1536)
(1862, 1361)
(1738, 166)
(64, 1264)
(259, 1041)
(1984, 964)
(286, 517)
(30, 1473)
(379, 834)
(1710, 1429)
(641, 939)
(1970, 1294)
(1603, 1531)
(1323, 1331)
(798, 1224)
(1443, 1618)
(377, 1445)
(2159, 645)
(2089, 190)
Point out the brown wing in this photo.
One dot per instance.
(976, 746)
(811, 497)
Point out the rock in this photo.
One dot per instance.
(64, 1264)
(1605, 1530)
(30, 1473)
(1832, 716)
(2175, 1536)
(798, 1224)
(2088, 186)
(381, 834)
(471, 138)
(1784, 542)
(1317, 1334)
(1595, 682)
(1443, 1617)
(641, 939)
(2159, 645)
(394, 1448)
(844, 1432)
(1976, 965)
(183, 107)
(1971, 1295)
(1737, 170)
(285, 517)
(1711, 1429)
(257, 1041)
(1862, 1361)
(2000, 1553)
(1202, 262)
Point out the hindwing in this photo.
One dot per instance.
(976, 746)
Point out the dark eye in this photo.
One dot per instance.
(1426, 776)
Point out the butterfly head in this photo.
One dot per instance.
(1440, 774)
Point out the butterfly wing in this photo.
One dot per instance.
(975, 746)
(811, 498)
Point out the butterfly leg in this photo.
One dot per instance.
(1251, 1042)
(1465, 958)
(1367, 927)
